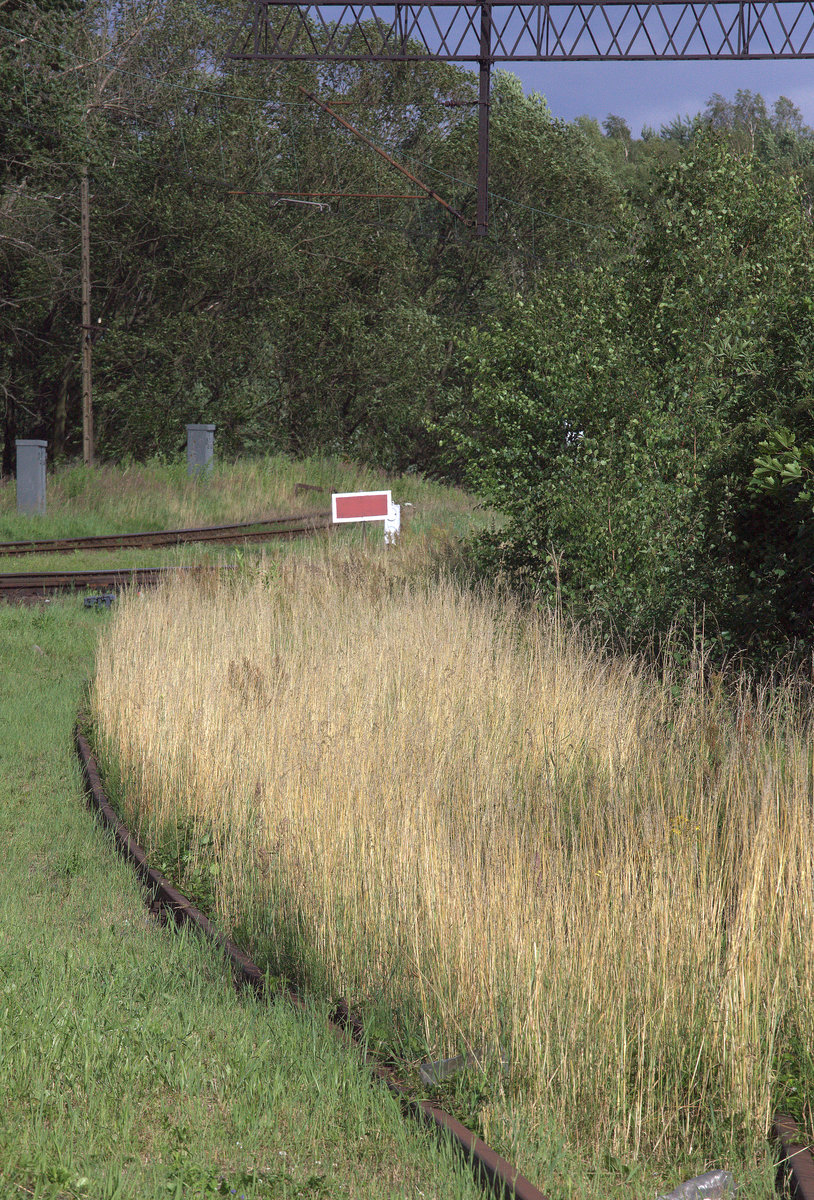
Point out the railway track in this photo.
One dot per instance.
(795, 1175)
(243, 531)
(31, 585)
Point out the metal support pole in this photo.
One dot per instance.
(87, 388)
(483, 117)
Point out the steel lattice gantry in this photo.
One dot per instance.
(503, 32)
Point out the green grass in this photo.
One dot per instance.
(188, 555)
(156, 495)
(128, 1066)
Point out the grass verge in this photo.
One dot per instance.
(160, 495)
(129, 1070)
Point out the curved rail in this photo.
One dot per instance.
(493, 1170)
(796, 1166)
(242, 531)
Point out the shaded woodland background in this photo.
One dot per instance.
(623, 367)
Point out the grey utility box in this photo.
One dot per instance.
(200, 448)
(30, 476)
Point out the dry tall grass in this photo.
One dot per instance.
(471, 815)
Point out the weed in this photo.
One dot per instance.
(482, 829)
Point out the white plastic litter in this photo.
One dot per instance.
(714, 1185)
(435, 1072)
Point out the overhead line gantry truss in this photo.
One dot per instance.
(505, 32)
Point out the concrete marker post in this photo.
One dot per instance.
(392, 525)
(200, 449)
(31, 458)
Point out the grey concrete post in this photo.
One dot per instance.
(30, 476)
(200, 448)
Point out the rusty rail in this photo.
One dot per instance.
(492, 1170)
(33, 584)
(242, 531)
(796, 1169)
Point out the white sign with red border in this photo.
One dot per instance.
(361, 506)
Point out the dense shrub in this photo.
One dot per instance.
(616, 418)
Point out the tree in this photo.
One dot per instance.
(39, 129)
(779, 137)
(617, 419)
(295, 321)
(617, 130)
(289, 324)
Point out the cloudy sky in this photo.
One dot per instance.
(654, 93)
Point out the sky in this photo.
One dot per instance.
(654, 93)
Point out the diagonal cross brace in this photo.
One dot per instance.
(383, 153)
(485, 32)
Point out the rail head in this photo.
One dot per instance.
(259, 530)
(796, 1166)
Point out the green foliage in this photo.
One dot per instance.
(292, 323)
(783, 464)
(779, 137)
(616, 418)
(794, 1085)
(617, 351)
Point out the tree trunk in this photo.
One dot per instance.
(9, 465)
(61, 413)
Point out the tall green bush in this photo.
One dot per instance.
(616, 418)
